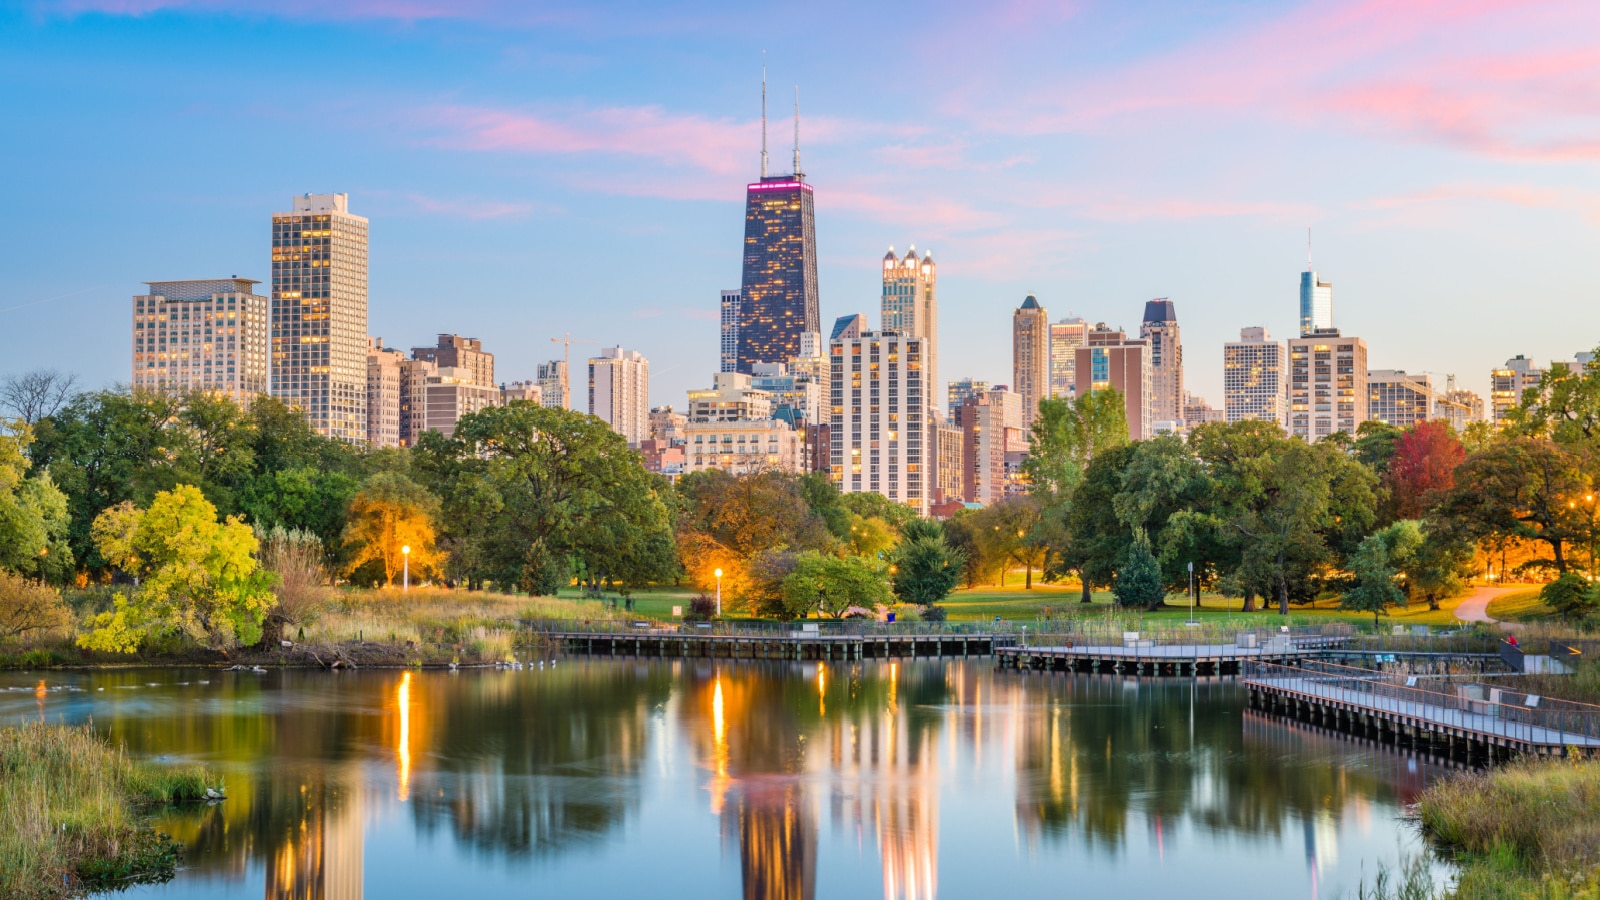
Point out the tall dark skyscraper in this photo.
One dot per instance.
(779, 290)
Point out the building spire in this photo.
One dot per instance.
(797, 172)
(763, 114)
(1308, 248)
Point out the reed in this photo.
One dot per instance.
(72, 813)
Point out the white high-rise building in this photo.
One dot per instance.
(208, 335)
(619, 392)
(1507, 383)
(319, 314)
(732, 304)
(881, 427)
(911, 306)
(1253, 384)
(554, 390)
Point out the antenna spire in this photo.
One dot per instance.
(1308, 248)
(763, 114)
(797, 172)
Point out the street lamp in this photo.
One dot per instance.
(405, 554)
(719, 593)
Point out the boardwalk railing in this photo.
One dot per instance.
(823, 628)
(1465, 706)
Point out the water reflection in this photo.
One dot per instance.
(808, 779)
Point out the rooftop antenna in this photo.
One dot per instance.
(797, 132)
(1308, 248)
(763, 114)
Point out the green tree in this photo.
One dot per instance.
(830, 585)
(1375, 445)
(1068, 434)
(198, 575)
(572, 494)
(1007, 535)
(1098, 540)
(34, 520)
(392, 526)
(304, 498)
(925, 568)
(1527, 488)
(1378, 566)
(1138, 582)
(1571, 596)
(1441, 564)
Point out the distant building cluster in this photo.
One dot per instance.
(864, 406)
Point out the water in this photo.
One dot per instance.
(683, 779)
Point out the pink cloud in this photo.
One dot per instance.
(326, 10)
(470, 209)
(1585, 203)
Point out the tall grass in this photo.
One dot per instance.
(71, 813)
(1530, 829)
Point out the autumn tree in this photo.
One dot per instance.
(197, 574)
(1422, 467)
(1526, 488)
(387, 515)
(27, 606)
(728, 520)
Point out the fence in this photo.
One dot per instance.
(1466, 706)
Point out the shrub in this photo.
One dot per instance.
(701, 609)
(1570, 596)
(27, 606)
(934, 613)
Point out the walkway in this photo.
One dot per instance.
(1475, 608)
(1480, 726)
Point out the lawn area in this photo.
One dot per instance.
(1522, 606)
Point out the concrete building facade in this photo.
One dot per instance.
(1030, 356)
(207, 334)
(1399, 398)
(319, 314)
(451, 393)
(555, 391)
(990, 425)
(880, 422)
(1254, 384)
(742, 446)
(1160, 331)
(1327, 384)
(619, 392)
(732, 397)
(1066, 336)
(911, 305)
(1506, 384)
(456, 352)
(383, 393)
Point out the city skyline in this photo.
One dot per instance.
(455, 205)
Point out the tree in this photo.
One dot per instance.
(1571, 596)
(1375, 444)
(571, 493)
(730, 519)
(869, 536)
(35, 395)
(962, 537)
(1098, 540)
(1422, 467)
(1528, 488)
(1138, 581)
(1375, 589)
(1068, 434)
(27, 605)
(387, 515)
(33, 515)
(198, 575)
(1564, 407)
(830, 585)
(1007, 534)
(925, 569)
(1440, 565)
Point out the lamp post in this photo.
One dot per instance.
(405, 578)
(719, 593)
(1191, 593)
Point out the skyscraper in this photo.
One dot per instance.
(1160, 330)
(1111, 360)
(554, 390)
(1327, 384)
(1316, 303)
(1066, 336)
(1398, 398)
(1253, 377)
(319, 314)
(881, 442)
(1030, 357)
(731, 306)
(619, 392)
(960, 390)
(911, 305)
(208, 335)
(779, 289)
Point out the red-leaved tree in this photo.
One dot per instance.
(1424, 463)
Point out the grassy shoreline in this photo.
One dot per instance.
(73, 813)
(1529, 830)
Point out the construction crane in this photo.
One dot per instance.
(566, 341)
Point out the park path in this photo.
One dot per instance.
(1476, 607)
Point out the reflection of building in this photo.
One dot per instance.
(322, 859)
(777, 842)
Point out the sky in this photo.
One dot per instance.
(534, 169)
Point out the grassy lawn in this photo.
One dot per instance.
(1521, 606)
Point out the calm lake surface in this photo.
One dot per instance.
(691, 779)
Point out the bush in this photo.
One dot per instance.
(701, 609)
(1570, 596)
(934, 613)
(27, 606)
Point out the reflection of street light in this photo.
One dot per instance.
(405, 554)
(719, 593)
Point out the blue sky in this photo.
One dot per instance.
(532, 169)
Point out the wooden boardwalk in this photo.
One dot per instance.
(792, 645)
(1149, 658)
(1420, 713)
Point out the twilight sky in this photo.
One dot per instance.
(537, 168)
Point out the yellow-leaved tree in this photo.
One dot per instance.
(197, 575)
(390, 513)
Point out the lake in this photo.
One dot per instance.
(699, 778)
